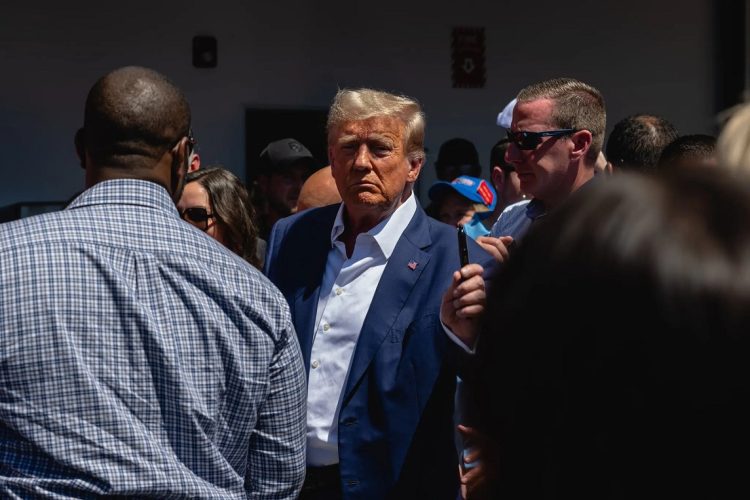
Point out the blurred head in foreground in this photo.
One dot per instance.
(613, 357)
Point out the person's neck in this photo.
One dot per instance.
(102, 174)
(360, 221)
(356, 225)
(160, 172)
(580, 175)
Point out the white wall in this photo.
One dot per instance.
(644, 56)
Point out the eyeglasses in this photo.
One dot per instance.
(197, 216)
(530, 140)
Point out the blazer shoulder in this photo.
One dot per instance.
(445, 238)
(298, 235)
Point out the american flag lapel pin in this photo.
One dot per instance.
(412, 265)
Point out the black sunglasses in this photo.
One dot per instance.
(530, 140)
(197, 216)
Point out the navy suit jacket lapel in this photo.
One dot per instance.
(312, 267)
(401, 273)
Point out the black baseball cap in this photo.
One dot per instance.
(284, 153)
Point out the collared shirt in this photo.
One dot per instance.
(346, 293)
(138, 357)
(516, 219)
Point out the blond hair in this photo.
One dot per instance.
(362, 104)
(733, 145)
(577, 105)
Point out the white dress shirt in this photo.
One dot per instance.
(346, 293)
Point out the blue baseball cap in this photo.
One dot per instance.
(473, 188)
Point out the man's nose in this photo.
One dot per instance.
(362, 158)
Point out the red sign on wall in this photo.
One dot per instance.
(468, 57)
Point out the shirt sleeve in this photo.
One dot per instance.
(456, 340)
(276, 463)
(499, 227)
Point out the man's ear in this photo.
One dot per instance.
(498, 178)
(581, 144)
(415, 167)
(80, 149)
(180, 153)
(195, 162)
(180, 165)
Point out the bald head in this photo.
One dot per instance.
(133, 116)
(319, 190)
(636, 142)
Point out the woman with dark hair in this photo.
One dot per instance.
(614, 360)
(215, 201)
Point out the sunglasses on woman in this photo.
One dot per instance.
(197, 216)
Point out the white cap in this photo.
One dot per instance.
(505, 117)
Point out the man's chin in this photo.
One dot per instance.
(371, 204)
(366, 199)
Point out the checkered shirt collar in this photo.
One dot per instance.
(127, 192)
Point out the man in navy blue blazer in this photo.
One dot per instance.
(381, 342)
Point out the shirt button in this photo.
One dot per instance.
(339, 291)
(315, 364)
(326, 327)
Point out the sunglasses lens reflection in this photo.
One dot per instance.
(197, 216)
(530, 140)
(524, 140)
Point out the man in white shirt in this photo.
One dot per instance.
(364, 281)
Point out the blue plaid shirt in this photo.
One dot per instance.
(138, 357)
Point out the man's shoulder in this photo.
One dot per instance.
(31, 230)
(299, 235)
(510, 220)
(108, 230)
(302, 220)
(519, 206)
(79, 241)
(444, 245)
(307, 226)
(441, 232)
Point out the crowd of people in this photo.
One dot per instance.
(174, 334)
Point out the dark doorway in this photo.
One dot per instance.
(262, 126)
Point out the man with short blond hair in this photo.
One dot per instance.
(555, 137)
